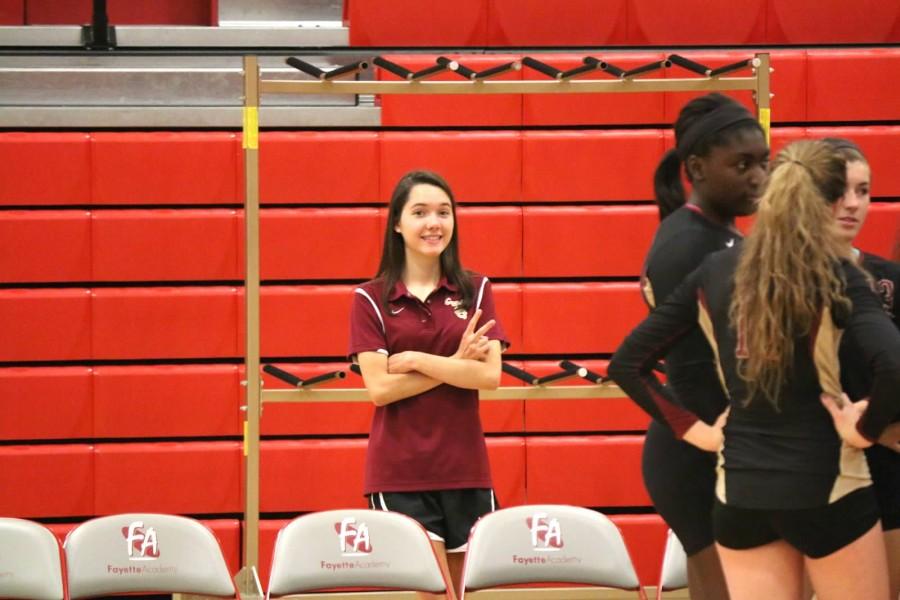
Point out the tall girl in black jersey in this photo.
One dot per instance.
(723, 153)
(792, 487)
(884, 458)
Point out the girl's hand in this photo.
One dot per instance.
(846, 415)
(473, 345)
(403, 362)
(890, 437)
(708, 437)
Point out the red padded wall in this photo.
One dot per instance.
(575, 318)
(389, 23)
(310, 166)
(164, 168)
(305, 320)
(12, 12)
(168, 477)
(645, 538)
(46, 245)
(121, 12)
(853, 85)
(47, 481)
(832, 22)
(657, 22)
(167, 401)
(45, 169)
(46, 403)
(45, 324)
(491, 240)
(578, 241)
(541, 23)
(479, 166)
(566, 166)
(586, 471)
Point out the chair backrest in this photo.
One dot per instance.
(145, 553)
(30, 561)
(353, 548)
(547, 544)
(673, 573)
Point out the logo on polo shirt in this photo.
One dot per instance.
(353, 537)
(141, 541)
(459, 312)
(546, 535)
(729, 243)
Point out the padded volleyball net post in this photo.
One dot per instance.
(333, 82)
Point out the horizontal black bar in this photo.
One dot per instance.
(585, 68)
(322, 377)
(582, 372)
(464, 71)
(283, 375)
(520, 374)
(498, 70)
(392, 67)
(302, 65)
(742, 64)
(542, 67)
(690, 65)
(554, 377)
(440, 67)
(660, 64)
(609, 68)
(355, 368)
(356, 67)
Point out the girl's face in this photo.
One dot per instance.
(733, 177)
(426, 221)
(850, 210)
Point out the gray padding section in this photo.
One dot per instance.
(186, 557)
(30, 561)
(329, 550)
(544, 544)
(674, 565)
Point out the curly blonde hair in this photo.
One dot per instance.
(787, 272)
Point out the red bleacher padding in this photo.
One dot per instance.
(881, 146)
(164, 245)
(47, 481)
(12, 12)
(46, 403)
(317, 243)
(47, 245)
(121, 12)
(853, 85)
(198, 322)
(541, 23)
(451, 109)
(479, 166)
(830, 22)
(305, 320)
(564, 166)
(657, 22)
(167, 401)
(314, 167)
(582, 241)
(645, 538)
(310, 475)
(508, 300)
(881, 233)
(593, 471)
(590, 109)
(45, 169)
(168, 477)
(787, 81)
(491, 240)
(570, 318)
(45, 324)
(164, 168)
(414, 23)
(592, 414)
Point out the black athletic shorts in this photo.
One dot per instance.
(884, 464)
(816, 532)
(447, 515)
(681, 481)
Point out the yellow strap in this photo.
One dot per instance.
(246, 438)
(251, 128)
(765, 119)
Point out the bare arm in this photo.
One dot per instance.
(384, 387)
(458, 372)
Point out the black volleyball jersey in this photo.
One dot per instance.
(681, 243)
(785, 458)
(855, 378)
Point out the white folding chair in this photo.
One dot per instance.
(673, 573)
(340, 549)
(548, 544)
(145, 553)
(30, 561)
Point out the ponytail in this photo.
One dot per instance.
(667, 184)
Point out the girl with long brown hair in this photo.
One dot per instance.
(792, 489)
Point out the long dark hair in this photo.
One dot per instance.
(667, 184)
(393, 252)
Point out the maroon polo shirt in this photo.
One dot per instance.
(434, 440)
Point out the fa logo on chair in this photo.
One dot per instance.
(546, 535)
(141, 542)
(353, 537)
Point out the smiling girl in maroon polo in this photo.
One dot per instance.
(412, 331)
